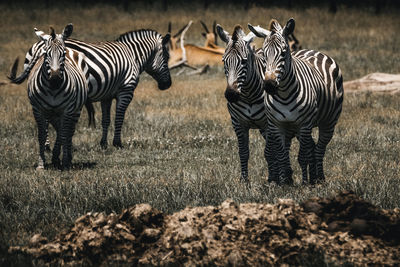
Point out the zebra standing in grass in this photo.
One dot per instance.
(57, 90)
(244, 69)
(305, 90)
(114, 69)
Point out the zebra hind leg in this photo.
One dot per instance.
(55, 160)
(324, 138)
(105, 121)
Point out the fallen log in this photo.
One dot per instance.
(375, 82)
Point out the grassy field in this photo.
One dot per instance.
(180, 148)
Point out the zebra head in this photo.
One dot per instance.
(236, 58)
(276, 51)
(54, 53)
(158, 66)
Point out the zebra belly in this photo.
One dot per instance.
(292, 115)
(249, 116)
(106, 88)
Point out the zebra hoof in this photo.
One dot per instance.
(47, 148)
(273, 180)
(103, 144)
(118, 144)
(66, 166)
(319, 180)
(56, 163)
(40, 168)
(245, 181)
(285, 181)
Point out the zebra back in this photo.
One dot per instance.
(122, 59)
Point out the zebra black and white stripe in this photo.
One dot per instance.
(57, 90)
(244, 69)
(305, 90)
(114, 69)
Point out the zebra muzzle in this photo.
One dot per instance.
(270, 86)
(164, 85)
(232, 94)
(55, 79)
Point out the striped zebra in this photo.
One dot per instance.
(244, 70)
(114, 68)
(305, 90)
(57, 90)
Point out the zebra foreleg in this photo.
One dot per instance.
(55, 160)
(243, 142)
(269, 154)
(105, 121)
(282, 157)
(41, 124)
(47, 144)
(123, 101)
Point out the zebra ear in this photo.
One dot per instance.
(274, 26)
(289, 28)
(224, 35)
(258, 31)
(67, 31)
(249, 38)
(52, 33)
(237, 33)
(166, 39)
(41, 35)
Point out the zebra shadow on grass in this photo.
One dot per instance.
(77, 165)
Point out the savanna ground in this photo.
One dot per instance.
(179, 145)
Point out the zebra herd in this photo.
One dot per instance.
(281, 93)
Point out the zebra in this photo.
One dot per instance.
(304, 90)
(244, 70)
(57, 90)
(114, 68)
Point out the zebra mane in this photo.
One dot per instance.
(134, 33)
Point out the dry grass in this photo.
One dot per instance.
(180, 148)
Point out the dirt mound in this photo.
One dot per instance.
(341, 230)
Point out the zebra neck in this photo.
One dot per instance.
(142, 52)
(252, 87)
(288, 85)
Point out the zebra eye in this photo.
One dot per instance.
(244, 61)
(283, 53)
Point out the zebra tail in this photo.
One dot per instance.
(13, 74)
(22, 77)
